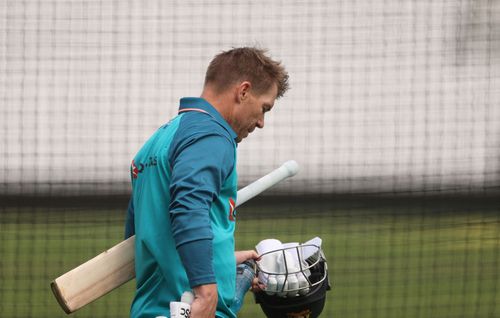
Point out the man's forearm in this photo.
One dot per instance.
(205, 301)
(197, 259)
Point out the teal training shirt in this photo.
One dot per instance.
(184, 186)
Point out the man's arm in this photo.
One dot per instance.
(199, 165)
(205, 301)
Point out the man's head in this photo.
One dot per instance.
(247, 82)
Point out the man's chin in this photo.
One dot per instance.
(240, 138)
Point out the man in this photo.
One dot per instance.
(184, 188)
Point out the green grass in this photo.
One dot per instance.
(384, 261)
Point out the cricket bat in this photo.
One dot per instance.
(115, 266)
(182, 309)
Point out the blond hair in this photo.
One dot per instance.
(247, 64)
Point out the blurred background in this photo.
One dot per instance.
(393, 115)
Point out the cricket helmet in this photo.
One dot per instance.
(306, 301)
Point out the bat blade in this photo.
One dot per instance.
(115, 266)
(96, 277)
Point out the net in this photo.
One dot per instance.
(392, 114)
(386, 96)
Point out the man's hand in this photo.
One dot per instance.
(205, 301)
(242, 256)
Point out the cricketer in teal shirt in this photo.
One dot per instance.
(171, 220)
(184, 189)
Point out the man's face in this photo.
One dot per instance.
(249, 114)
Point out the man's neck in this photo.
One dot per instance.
(223, 103)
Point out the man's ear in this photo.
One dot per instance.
(243, 90)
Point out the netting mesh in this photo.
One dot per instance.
(386, 95)
(387, 98)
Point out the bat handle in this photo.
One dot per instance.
(182, 309)
(287, 169)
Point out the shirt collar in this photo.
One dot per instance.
(201, 104)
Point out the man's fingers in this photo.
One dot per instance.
(255, 256)
(242, 256)
(257, 286)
